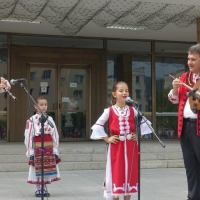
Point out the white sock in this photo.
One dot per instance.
(37, 187)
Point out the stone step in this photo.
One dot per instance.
(91, 157)
(67, 166)
(152, 164)
(161, 156)
(64, 158)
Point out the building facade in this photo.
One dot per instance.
(76, 73)
(83, 77)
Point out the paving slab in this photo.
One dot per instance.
(156, 184)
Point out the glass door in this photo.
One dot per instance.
(73, 103)
(43, 83)
(66, 91)
(3, 96)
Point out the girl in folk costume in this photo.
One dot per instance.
(33, 142)
(122, 157)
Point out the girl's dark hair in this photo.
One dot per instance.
(114, 88)
(40, 98)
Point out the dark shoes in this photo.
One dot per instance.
(57, 159)
(38, 193)
(31, 160)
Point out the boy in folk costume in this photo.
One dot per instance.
(33, 142)
(122, 157)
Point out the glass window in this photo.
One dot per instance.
(4, 96)
(3, 126)
(141, 81)
(46, 74)
(166, 112)
(3, 40)
(122, 45)
(57, 42)
(74, 103)
(78, 79)
(138, 94)
(150, 135)
(39, 86)
(32, 76)
(137, 79)
(113, 65)
(141, 85)
(172, 47)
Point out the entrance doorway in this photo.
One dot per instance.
(65, 88)
(66, 77)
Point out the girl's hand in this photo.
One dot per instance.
(113, 139)
(134, 137)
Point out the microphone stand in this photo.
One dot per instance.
(42, 120)
(138, 120)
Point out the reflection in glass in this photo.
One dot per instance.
(73, 125)
(166, 127)
(46, 74)
(141, 85)
(148, 136)
(43, 87)
(3, 127)
(73, 106)
(141, 82)
(172, 47)
(32, 76)
(78, 79)
(166, 120)
(113, 64)
(4, 96)
(3, 39)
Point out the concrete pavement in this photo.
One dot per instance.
(156, 184)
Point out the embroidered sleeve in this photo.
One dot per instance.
(146, 127)
(98, 131)
(55, 136)
(28, 141)
(173, 98)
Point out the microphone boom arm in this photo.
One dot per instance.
(146, 121)
(43, 115)
(129, 100)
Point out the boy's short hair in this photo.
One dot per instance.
(39, 98)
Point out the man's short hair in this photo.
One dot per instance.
(194, 49)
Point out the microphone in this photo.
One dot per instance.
(129, 100)
(14, 81)
(191, 93)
